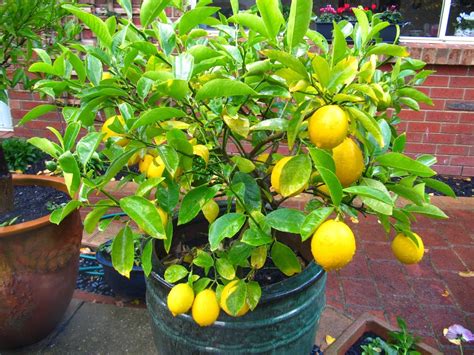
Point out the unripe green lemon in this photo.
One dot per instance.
(210, 210)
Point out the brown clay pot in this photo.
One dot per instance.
(368, 323)
(38, 271)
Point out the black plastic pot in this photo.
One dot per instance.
(135, 287)
(387, 35)
(284, 322)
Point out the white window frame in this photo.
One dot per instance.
(6, 122)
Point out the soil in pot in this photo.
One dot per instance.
(366, 338)
(32, 202)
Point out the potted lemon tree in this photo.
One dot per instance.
(228, 119)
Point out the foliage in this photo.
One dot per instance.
(19, 154)
(139, 240)
(400, 343)
(328, 14)
(465, 21)
(26, 27)
(205, 107)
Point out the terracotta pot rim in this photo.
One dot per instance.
(24, 180)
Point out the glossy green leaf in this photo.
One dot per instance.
(94, 216)
(295, 175)
(36, 112)
(409, 193)
(203, 260)
(370, 192)
(399, 143)
(72, 175)
(94, 71)
(369, 123)
(145, 214)
(87, 146)
(123, 252)
(225, 268)
(298, 21)
(149, 184)
(388, 50)
(225, 226)
(250, 192)
(158, 114)
(440, 186)
(402, 162)
(223, 88)
(377, 206)
(322, 158)
(46, 146)
(256, 237)
(251, 21)
(427, 210)
(194, 17)
(286, 220)
(150, 10)
(194, 200)
(58, 215)
(170, 157)
(175, 273)
(288, 60)
(313, 221)
(237, 298)
(147, 257)
(415, 95)
(285, 259)
(333, 184)
(273, 124)
(271, 15)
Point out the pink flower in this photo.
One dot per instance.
(374, 6)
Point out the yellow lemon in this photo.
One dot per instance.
(180, 299)
(156, 168)
(226, 292)
(106, 75)
(205, 308)
(109, 133)
(145, 163)
(333, 245)
(324, 189)
(328, 126)
(210, 210)
(405, 249)
(349, 162)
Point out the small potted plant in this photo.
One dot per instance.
(226, 130)
(464, 26)
(391, 15)
(323, 23)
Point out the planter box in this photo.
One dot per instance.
(387, 34)
(369, 323)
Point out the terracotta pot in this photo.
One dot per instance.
(369, 323)
(38, 271)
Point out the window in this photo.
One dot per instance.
(5, 117)
(443, 19)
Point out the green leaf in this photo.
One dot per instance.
(78, 66)
(409, 193)
(415, 95)
(167, 38)
(273, 124)
(339, 45)
(295, 175)
(427, 159)
(369, 123)
(117, 165)
(402, 162)
(36, 112)
(255, 237)
(225, 226)
(321, 69)
(46, 146)
(333, 184)
(127, 6)
(72, 175)
(318, 39)
(157, 115)
(203, 260)
(426, 210)
(146, 257)
(175, 273)
(223, 88)
(445, 189)
(251, 21)
(145, 214)
(94, 216)
(254, 293)
(123, 252)
(96, 25)
(94, 70)
(150, 10)
(388, 50)
(285, 259)
(237, 298)
(194, 200)
(43, 55)
(377, 206)
(195, 17)
(201, 284)
(288, 60)
(370, 192)
(170, 157)
(225, 268)
(271, 15)
(183, 66)
(239, 253)
(298, 21)
(59, 214)
(363, 23)
(149, 184)
(313, 221)
(245, 165)
(87, 146)
(399, 143)
(322, 158)
(286, 220)
(250, 192)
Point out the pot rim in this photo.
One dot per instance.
(25, 180)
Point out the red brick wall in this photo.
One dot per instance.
(437, 130)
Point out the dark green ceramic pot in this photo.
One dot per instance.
(284, 322)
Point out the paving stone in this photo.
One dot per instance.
(410, 310)
(360, 293)
(466, 253)
(442, 317)
(105, 329)
(357, 268)
(333, 322)
(389, 278)
(378, 251)
(433, 292)
(424, 269)
(446, 259)
(462, 288)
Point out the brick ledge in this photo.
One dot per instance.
(444, 53)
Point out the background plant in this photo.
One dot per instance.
(19, 154)
(177, 99)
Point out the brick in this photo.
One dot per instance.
(452, 150)
(360, 293)
(415, 136)
(19, 95)
(467, 171)
(467, 117)
(378, 251)
(469, 94)
(420, 148)
(442, 116)
(433, 292)
(439, 138)
(449, 69)
(358, 268)
(448, 170)
(408, 309)
(447, 93)
(445, 259)
(427, 127)
(441, 317)
(438, 105)
(458, 128)
(430, 234)
(462, 161)
(466, 139)
(410, 115)
(396, 284)
(437, 80)
(461, 81)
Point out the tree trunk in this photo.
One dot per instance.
(6, 185)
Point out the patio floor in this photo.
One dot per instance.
(430, 296)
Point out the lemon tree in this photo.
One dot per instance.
(257, 112)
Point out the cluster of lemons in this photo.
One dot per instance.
(205, 305)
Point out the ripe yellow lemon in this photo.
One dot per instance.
(163, 216)
(405, 249)
(210, 210)
(106, 75)
(205, 308)
(328, 126)
(180, 299)
(333, 245)
(156, 168)
(226, 292)
(109, 133)
(145, 163)
(349, 162)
